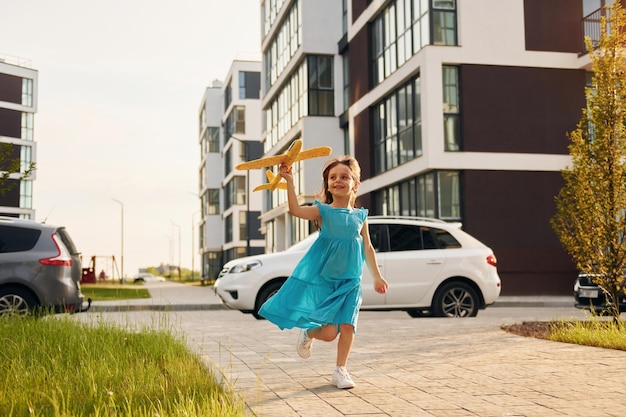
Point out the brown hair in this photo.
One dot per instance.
(355, 169)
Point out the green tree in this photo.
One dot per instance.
(10, 164)
(590, 218)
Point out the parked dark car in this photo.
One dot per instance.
(40, 269)
(589, 295)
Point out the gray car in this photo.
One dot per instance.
(40, 269)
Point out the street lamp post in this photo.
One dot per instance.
(247, 158)
(122, 237)
(179, 250)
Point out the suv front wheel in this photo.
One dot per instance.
(16, 302)
(456, 299)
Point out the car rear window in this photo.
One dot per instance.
(67, 240)
(17, 239)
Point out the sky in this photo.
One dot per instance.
(120, 87)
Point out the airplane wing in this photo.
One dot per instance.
(273, 183)
(279, 159)
(314, 153)
(262, 162)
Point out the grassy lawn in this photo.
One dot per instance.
(62, 368)
(106, 292)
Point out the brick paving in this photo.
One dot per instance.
(402, 366)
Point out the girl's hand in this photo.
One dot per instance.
(380, 285)
(284, 171)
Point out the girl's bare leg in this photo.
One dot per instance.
(327, 333)
(346, 337)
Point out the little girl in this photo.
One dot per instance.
(323, 294)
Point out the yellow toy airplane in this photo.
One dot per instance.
(293, 154)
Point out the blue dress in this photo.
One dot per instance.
(325, 286)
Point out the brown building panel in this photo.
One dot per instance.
(359, 66)
(553, 25)
(358, 7)
(510, 211)
(10, 88)
(363, 143)
(519, 109)
(10, 123)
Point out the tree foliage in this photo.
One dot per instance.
(590, 219)
(11, 165)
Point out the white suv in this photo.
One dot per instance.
(433, 268)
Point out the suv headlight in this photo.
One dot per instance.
(245, 267)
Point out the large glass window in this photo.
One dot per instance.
(235, 192)
(283, 46)
(27, 92)
(451, 110)
(308, 91)
(228, 228)
(249, 84)
(404, 27)
(236, 122)
(211, 202)
(28, 121)
(434, 194)
(444, 22)
(397, 127)
(26, 194)
(210, 140)
(321, 92)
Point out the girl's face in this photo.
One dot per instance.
(340, 181)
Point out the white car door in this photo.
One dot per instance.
(413, 265)
(370, 297)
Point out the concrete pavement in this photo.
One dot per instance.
(402, 366)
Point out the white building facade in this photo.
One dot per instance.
(18, 105)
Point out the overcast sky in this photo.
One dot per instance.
(120, 85)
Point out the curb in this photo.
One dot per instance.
(156, 307)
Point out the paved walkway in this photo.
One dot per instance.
(402, 366)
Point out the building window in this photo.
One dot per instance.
(283, 46)
(26, 157)
(444, 22)
(211, 265)
(27, 126)
(228, 163)
(435, 194)
(249, 85)
(235, 192)
(236, 122)
(27, 92)
(403, 28)
(289, 106)
(228, 95)
(270, 12)
(451, 110)
(449, 205)
(26, 194)
(321, 91)
(213, 139)
(397, 127)
(211, 202)
(228, 229)
(243, 227)
(346, 82)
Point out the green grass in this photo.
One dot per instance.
(599, 333)
(60, 368)
(105, 292)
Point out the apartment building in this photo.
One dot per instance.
(457, 110)
(18, 105)
(229, 134)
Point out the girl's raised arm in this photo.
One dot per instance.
(304, 212)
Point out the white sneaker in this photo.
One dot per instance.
(341, 378)
(305, 344)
